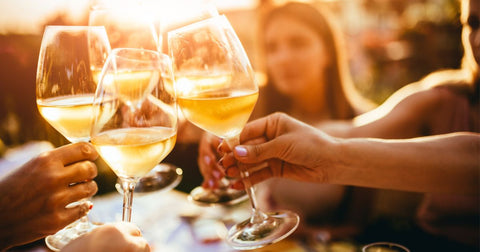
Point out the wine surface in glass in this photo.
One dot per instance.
(135, 85)
(70, 115)
(133, 152)
(221, 113)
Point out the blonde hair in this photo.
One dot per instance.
(468, 61)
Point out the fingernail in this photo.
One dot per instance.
(210, 183)
(241, 151)
(86, 149)
(207, 160)
(216, 174)
(90, 207)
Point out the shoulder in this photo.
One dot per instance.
(416, 99)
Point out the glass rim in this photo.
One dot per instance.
(392, 244)
(74, 27)
(199, 23)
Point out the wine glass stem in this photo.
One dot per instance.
(257, 216)
(128, 186)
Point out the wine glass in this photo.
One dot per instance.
(65, 87)
(217, 91)
(130, 25)
(384, 247)
(135, 116)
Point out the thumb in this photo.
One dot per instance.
(255, 153)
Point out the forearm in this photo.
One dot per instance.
(444, 164)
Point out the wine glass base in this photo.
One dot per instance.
(277, 226)
(163, 177)
(222, 196)
(58, 240)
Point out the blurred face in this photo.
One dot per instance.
(473, 22)
(295, 56)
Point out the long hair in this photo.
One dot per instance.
(468, 61)
(465, 80)
(338, 83)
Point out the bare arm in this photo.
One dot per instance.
(446, 163)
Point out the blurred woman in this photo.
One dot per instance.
(308, 78)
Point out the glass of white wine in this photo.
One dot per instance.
(135, 115)
(131, 25)
(217, 91)
(65, 87)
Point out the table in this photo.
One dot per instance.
(168, 220)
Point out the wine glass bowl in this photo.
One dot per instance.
(65, 82)
(215, 88)
(131, 25)
(135, 115)
(65, 88)
(217, 91)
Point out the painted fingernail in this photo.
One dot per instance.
(241, 151)
(90, 207)
(216, 174)
(207, 160)
(211, 183)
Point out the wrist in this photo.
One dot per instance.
(337, 165)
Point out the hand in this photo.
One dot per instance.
(118, 237)
(207, 161)
(291, 149)
(34, 196)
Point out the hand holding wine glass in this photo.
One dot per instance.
(65, 88)
(217, 91)
(135, 115)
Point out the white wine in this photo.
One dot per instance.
(133, 152)
(222, 114)
(69, 115)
